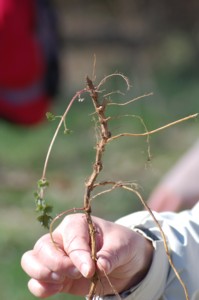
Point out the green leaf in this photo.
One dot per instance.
(48, 209)
(36, 196)
(40, 207)
(42, 183)
(50, 116)
(45, 220)
(67, 131)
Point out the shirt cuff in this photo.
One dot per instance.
(153, 285)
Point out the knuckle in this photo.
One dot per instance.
(25, 259)
(70, 219)
(58, 264)
(40, 243)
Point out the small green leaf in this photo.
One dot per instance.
(50, 116)
(48, 209)
(36, 196)
(45, 220)
(67, 131)
(42, 183)
(40, 205)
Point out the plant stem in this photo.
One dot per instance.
(97, 167)
(57, 130)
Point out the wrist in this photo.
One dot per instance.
(144, 256)
(146, 239)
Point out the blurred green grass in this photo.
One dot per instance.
(168, 68)
(22, 154)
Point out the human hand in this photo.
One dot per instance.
(179, 189)
(163, 199)
(166, 199)
(124, 255)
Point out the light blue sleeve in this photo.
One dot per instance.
(182, 233)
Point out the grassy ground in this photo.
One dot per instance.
(168, 68)
(22, 153)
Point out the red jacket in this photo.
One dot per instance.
(23, 98)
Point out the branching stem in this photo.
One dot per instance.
(97, 167)
(153, 131)
(103, 138)
(57, 131)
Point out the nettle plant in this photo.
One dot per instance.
(100, 100)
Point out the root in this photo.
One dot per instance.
(103, 137)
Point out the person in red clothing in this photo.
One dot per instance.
(29, 65)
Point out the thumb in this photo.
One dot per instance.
(117, 249)
(104, 265)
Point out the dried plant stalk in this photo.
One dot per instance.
(97, 167)
(103, 139)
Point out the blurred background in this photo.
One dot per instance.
(156, 45)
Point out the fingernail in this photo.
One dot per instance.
(56, 277)
(85, 270)
(104, 265)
